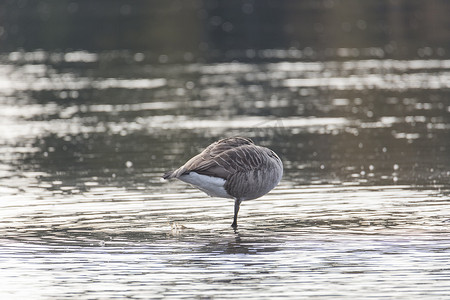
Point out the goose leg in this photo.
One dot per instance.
(237, 204)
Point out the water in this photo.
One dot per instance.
(362, 209)
(363, 131)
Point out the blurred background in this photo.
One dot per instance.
(194, 30)
(99, 98)
(122, 81)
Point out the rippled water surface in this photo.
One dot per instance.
(362, 210)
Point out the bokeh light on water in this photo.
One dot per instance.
(354, 101)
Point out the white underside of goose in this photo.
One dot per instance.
(213, 186)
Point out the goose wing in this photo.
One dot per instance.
(229, 162)
(220, 159)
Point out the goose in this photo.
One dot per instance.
(233, 168)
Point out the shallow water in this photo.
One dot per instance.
(362, 210)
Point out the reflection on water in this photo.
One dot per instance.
(110, 241)
(362, 209)
(353, 96)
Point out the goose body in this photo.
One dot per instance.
(232, 168)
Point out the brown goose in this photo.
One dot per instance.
(232, 168)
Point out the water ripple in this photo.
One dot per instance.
(362, 209)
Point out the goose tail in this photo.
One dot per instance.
(168, 175)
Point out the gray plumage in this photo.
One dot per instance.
(232, 168)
